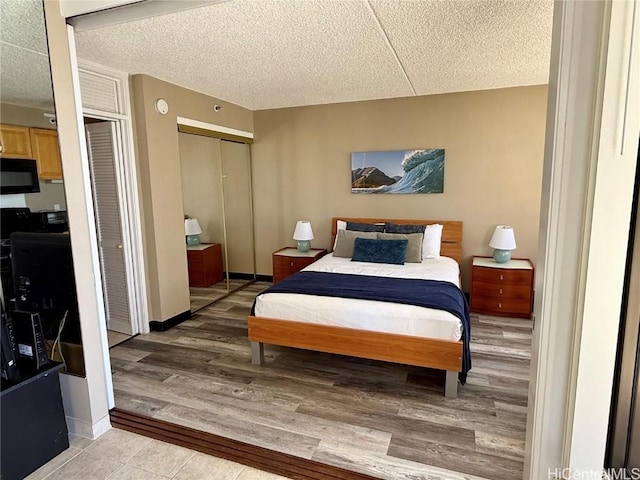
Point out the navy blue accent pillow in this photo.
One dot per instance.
(395, 228)
(365, 227)
(379, 251)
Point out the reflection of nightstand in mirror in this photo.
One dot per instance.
(205, 264)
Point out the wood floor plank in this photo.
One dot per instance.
(244, 431)
(337, 395)
(476, 421)
(138, 403)
(127, 354)
(387, 467)
(409, 427)
(454, 458)
(369, 416)
(498, 445)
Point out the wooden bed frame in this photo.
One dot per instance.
(389, 347)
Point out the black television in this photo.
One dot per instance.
(44, 282)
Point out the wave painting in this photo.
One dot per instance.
(398, 171)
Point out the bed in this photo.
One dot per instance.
(411, 334)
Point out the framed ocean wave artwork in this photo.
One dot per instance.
(398, 171)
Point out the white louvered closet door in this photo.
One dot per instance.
(102, 151)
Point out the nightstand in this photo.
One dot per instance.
(288, 261)
(503, 289)
(205, 264)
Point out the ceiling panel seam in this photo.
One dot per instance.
(393, 50)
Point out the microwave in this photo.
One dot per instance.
(18, 175)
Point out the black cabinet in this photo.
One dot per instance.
(32, 423)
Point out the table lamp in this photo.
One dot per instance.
(303, 235)
(502, 241)
(192, 230)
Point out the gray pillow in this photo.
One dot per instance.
(414, 247)
(346, 240)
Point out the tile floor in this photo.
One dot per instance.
(122, 455)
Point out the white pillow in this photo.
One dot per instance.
(431, 241)
(341, 226)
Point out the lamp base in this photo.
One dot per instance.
(193, 240)
(501, 256)
(303, 245)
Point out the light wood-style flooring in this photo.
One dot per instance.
(200, 297)
(386, 420)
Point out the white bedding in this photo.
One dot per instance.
(369, 314)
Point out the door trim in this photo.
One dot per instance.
(127, 191)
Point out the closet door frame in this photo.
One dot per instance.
(625, 417)
(220, 132)
(105, 96)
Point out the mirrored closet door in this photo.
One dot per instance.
(216, 191)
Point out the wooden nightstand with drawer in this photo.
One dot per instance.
(205, 264)
(503, 289)
(288, 261)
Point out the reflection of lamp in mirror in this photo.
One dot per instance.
(303, 235)
(192, 230)
(502, 241)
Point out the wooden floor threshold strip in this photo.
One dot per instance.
(257, 457)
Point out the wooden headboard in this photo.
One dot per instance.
(451, 232)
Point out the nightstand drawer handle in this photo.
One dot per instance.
(499, 305)
(501, 277)
(500, 291)
(292, 264)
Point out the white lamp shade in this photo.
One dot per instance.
(503, 238)
(192, 227)
(303, 231)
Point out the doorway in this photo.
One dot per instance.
(103, 147)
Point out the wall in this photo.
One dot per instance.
(85, 399)
(50, 193)
(493, 143)
(158, 156)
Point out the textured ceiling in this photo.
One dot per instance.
(25, 77)
(271, 53)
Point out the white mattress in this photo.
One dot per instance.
(369, 314)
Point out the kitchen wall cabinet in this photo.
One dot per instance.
(38, 143)
(44, 146)
(15, 142)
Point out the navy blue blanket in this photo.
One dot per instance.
(422, 293)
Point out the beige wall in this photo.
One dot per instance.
(50, 193)
(161, 190)
(25, 116)
(493, 143)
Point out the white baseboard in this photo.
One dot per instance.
(84, 429)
